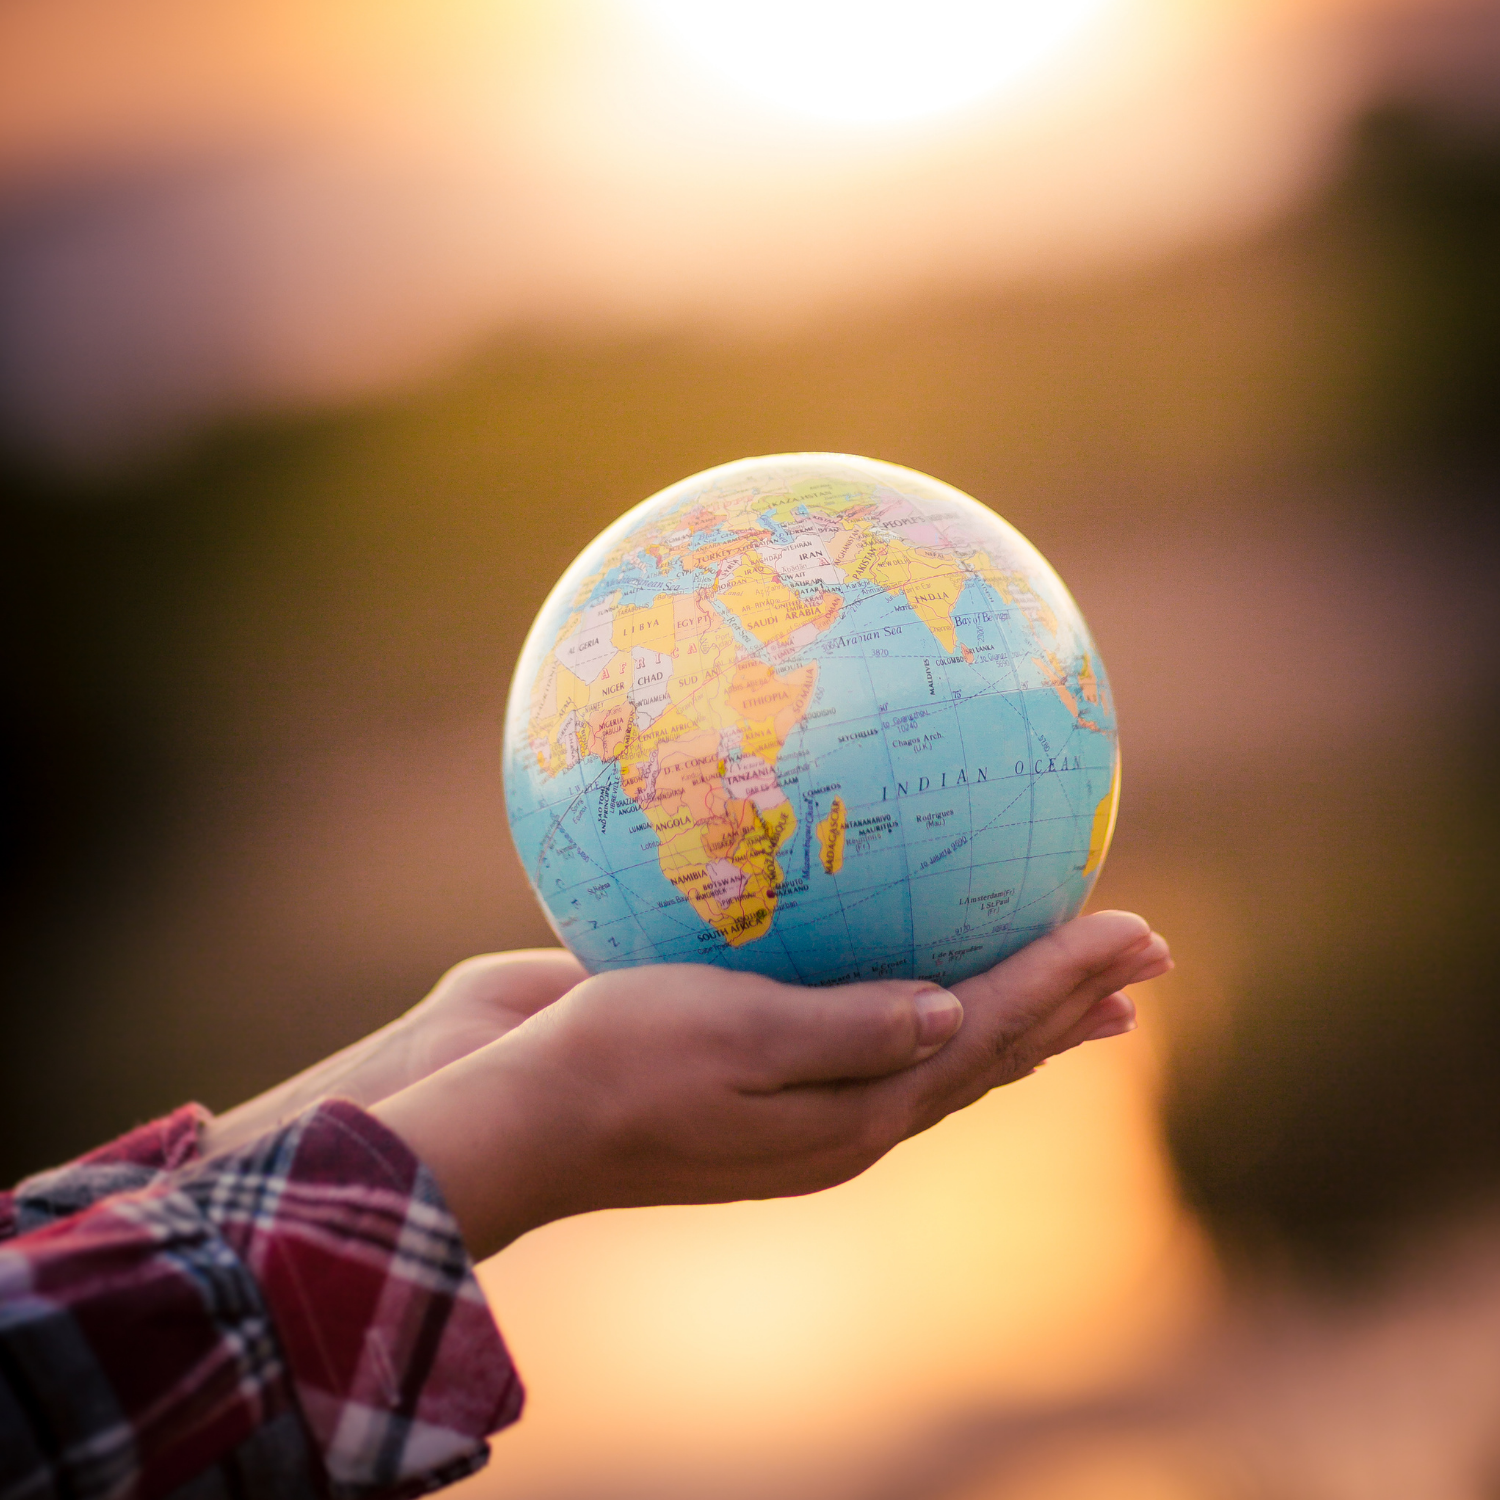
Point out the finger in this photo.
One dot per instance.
(787, 1036)
(1114, 1015)
(1051, 1037)
(1018, 1011)
(1133, 967)
(1053, 980)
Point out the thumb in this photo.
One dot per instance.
(797, 1036)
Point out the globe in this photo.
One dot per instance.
(816, 716)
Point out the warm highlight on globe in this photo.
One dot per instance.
(813, 715)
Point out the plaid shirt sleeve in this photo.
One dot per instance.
(134, 1161)
(296, 1318)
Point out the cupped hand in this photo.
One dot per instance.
(473, 1004)
(476, 1002)
(687, 1084)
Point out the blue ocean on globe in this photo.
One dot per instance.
(816, 716)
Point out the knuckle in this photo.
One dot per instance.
(800, 1136)
(466, 966)
(1014, 1058)
(878, 1131)
(472, 972)
(837, 1128)
(1062, 947)
(839, 1163)
(1008, 1040)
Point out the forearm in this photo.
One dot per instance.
(369, 1069)
(472, 1004)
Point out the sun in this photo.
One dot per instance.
(871, 61)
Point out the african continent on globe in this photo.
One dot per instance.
(813, 715)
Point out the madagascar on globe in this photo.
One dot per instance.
(813, 715)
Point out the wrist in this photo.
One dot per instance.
(488, 1129)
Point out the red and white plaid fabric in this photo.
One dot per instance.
(298, 1317)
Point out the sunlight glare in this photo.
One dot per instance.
(871, 61)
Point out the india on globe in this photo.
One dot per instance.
(813, 715)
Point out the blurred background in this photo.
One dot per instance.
(329, 332)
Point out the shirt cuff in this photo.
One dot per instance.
(397, 1364)
(136, 1160)
(163, 1145)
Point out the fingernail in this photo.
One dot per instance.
(1111, 1028)
(939, 1015)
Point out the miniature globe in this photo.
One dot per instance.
(815, 716)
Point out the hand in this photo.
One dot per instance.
(470, 1006)
(686, 1084)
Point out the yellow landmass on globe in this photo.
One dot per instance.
(653, 628)
(1088, 682)
(726, 866)
(771, 611)
(831, 838)
(931, 586)
(696, 727)
(1103, 829)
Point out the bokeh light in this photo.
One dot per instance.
(871, 61)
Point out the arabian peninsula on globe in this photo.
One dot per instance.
(816, 716)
